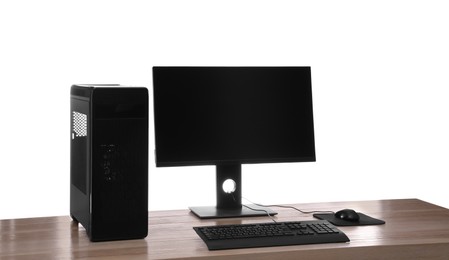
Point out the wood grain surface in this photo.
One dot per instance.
(414, 229)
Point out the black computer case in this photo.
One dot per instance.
(109, 161)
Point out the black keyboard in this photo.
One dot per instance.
(270, 234)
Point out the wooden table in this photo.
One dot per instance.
(414, 229)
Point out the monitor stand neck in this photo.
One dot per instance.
(229, 204)
(230, 173)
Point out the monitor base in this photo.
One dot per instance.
(208, 212)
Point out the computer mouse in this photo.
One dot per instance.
(347, 214)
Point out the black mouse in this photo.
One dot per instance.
(347, 214)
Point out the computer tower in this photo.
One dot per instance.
(109, 161)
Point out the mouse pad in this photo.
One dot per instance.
(363, 220)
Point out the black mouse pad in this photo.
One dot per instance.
(363, 220)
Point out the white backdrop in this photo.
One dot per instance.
(379, 77)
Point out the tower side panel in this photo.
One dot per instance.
(80, 163)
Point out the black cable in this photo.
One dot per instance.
(291, 207)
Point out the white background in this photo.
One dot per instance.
(379, 75)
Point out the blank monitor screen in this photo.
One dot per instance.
(220, 115)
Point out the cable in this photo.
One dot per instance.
(290, 207)
(266, 211)
(278, 206)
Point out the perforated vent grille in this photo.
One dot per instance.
(79, 124)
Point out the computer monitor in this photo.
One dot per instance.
(229, 116)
